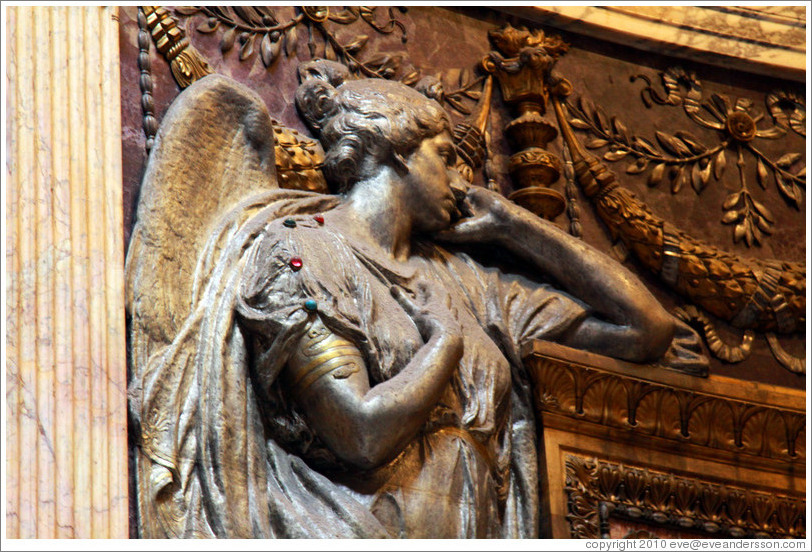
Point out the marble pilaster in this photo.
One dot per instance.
(66, 453)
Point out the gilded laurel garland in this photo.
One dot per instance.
(598, 490)
(719, 348)
(754, 295)
(681, 159)
(298, 158)
(767, 296)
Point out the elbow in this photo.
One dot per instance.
(366, 462)
(364, 444)
(653, 336)
(366, 453)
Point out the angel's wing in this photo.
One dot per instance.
(215, 146)
(208, 190)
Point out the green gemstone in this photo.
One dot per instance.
(290, 223)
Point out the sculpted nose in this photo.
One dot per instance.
(459, 186)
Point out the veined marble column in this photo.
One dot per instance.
(66, 446)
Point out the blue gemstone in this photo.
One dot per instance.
(311, 305)
(290, 223)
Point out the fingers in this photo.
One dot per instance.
(480, 197)
(464, 231)
(422, 293)
(404, 300)
(416, 308)
(431, 317)
(412, 306)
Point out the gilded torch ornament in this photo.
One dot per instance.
(522, 62)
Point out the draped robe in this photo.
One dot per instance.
(228, 454)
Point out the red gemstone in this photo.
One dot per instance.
(295, 263)
(319, 219)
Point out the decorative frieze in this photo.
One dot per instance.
(598, 490)
(685, 415)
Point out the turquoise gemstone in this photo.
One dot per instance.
(311, 305)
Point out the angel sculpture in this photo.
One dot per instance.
(316, 365)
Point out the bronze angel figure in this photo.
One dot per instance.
(345, 365)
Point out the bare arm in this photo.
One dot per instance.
(367, 426)
(630, 323)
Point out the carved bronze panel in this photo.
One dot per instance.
(291, 295)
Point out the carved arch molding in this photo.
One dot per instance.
(698, 181)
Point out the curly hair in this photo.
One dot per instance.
(362, 123)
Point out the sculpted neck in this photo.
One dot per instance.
(375, 210)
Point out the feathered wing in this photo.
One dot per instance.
(214, 147)
(204, 467)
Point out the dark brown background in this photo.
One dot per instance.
(446, 41)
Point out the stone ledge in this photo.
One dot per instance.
(724, 414)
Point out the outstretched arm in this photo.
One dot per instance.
(629, 323)
(367, 426)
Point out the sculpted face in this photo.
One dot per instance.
(430, 183)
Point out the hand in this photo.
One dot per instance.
(685, 353)
(432, 317)
(486, 218)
